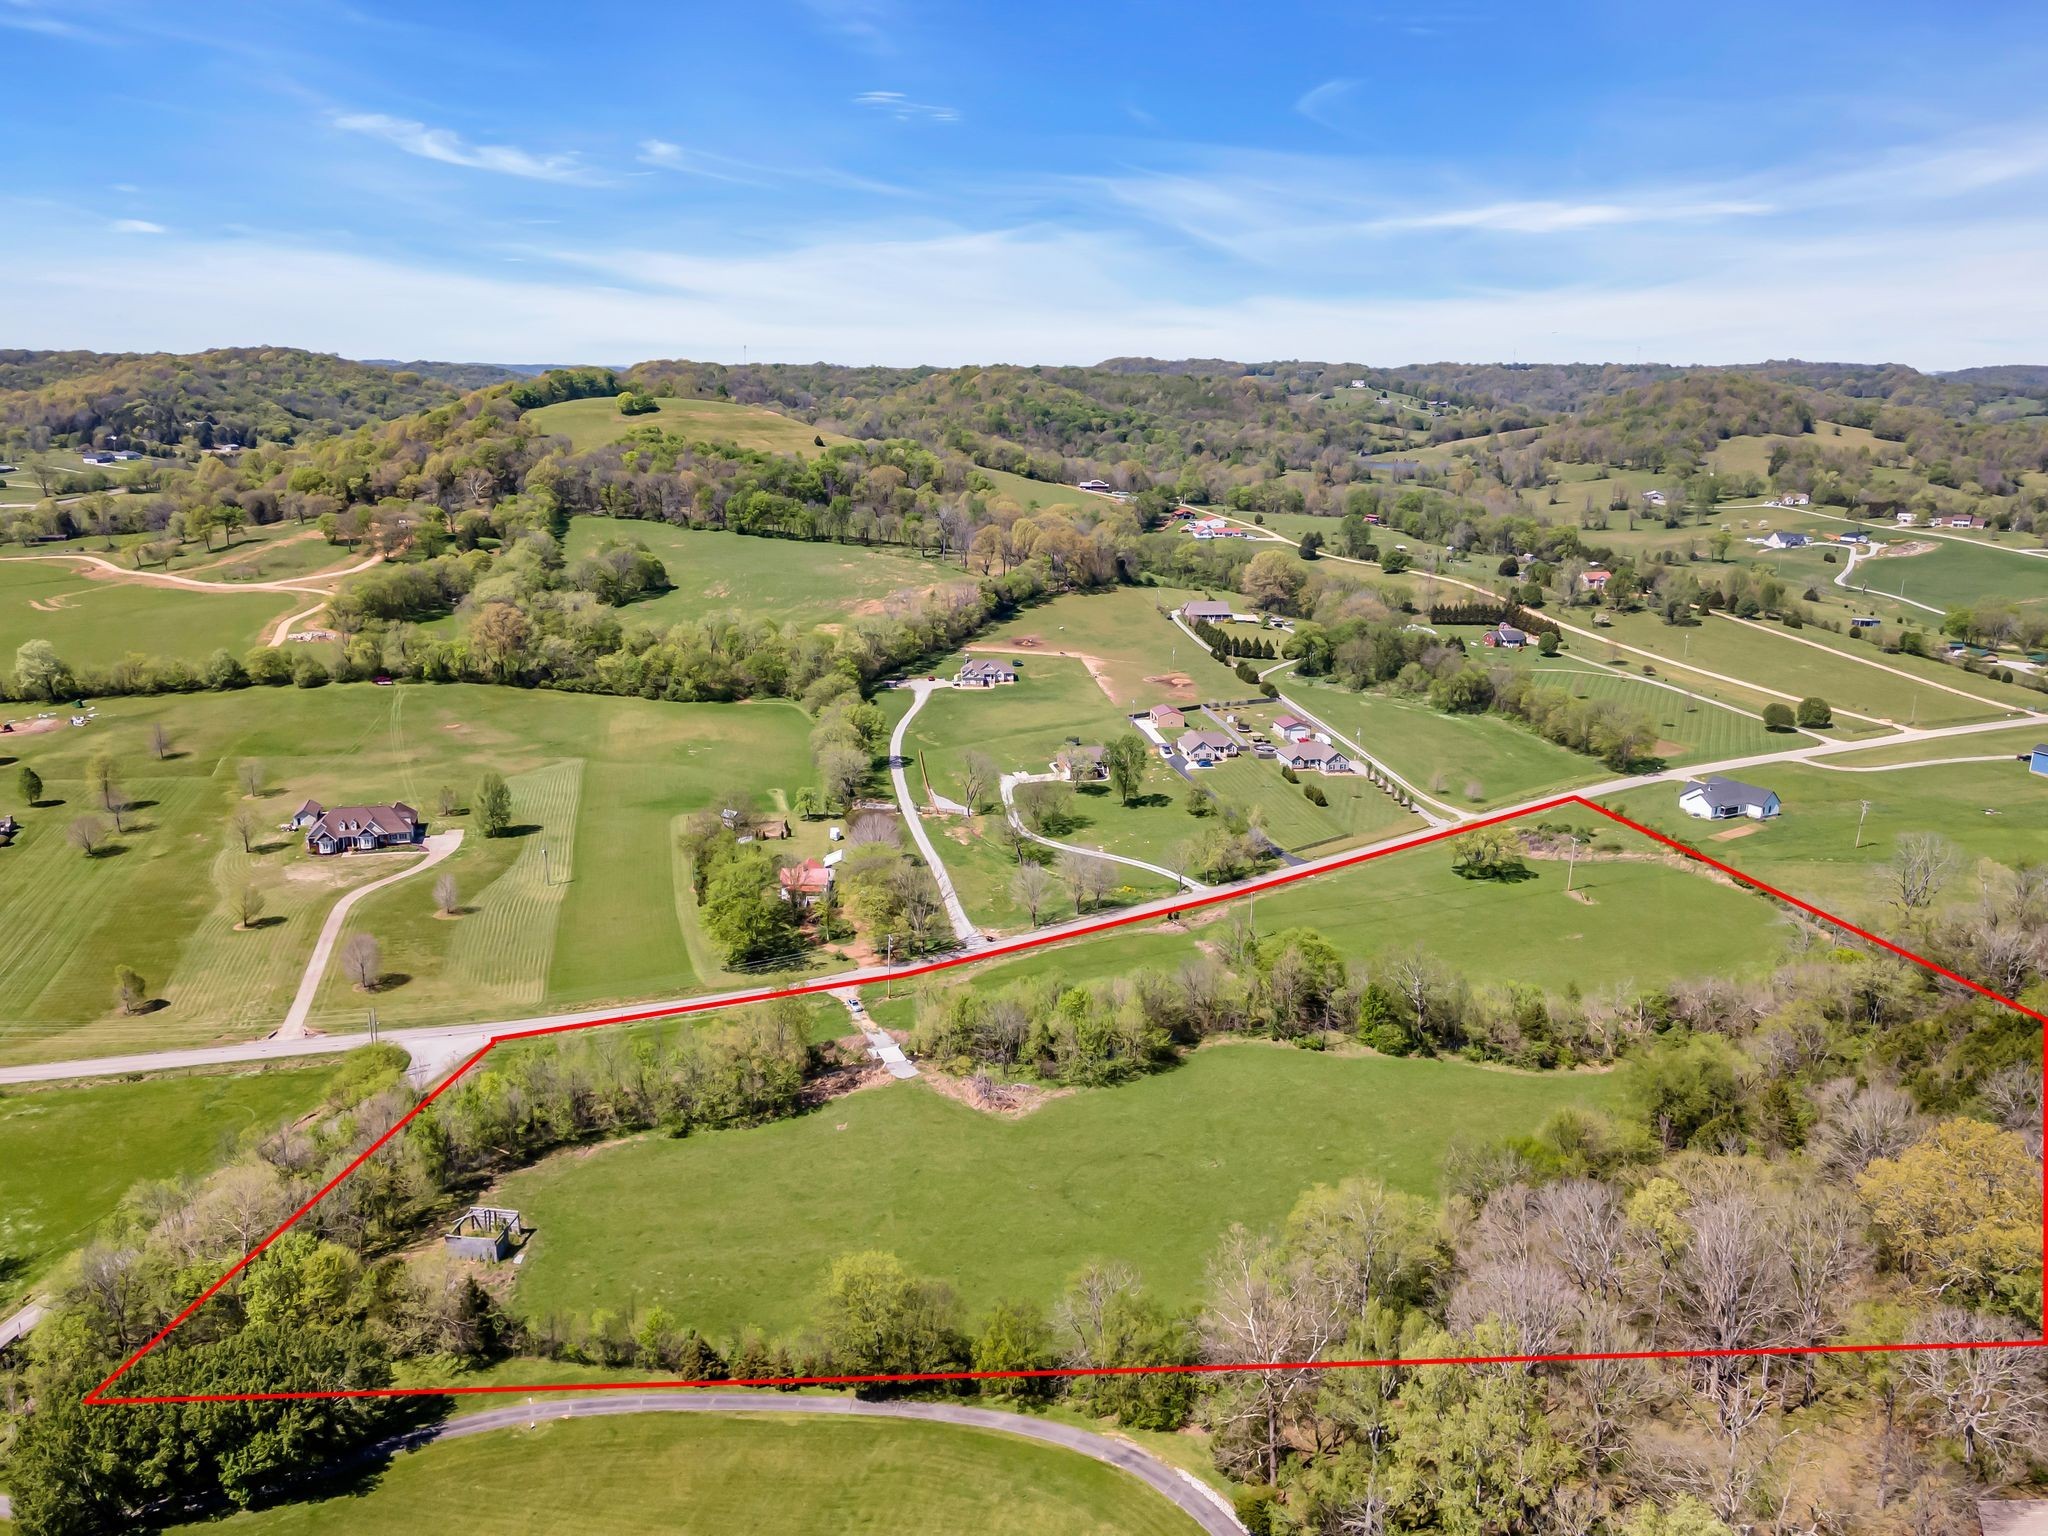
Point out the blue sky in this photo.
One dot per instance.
(891, 182)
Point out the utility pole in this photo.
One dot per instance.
(373, 1026)
(1863, 811)
(547, 876)
(889, 968)
(1571, 867)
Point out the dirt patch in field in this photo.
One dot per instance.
(1582, 896)
(1664, 747)
(36, 727)
(1030, 645)
(1179, 684)
(1013, 1101)
(1903, 551)
(838, 1082)
(1734, 832)
(718, 589)
(50, 604)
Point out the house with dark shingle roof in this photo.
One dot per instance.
(358, 828)
(1205, 749)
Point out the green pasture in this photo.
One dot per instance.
(593, 423)
(711, 1476)
(1135, 644)
(787, 580)
(578, 906)
(96, 620)
(1996, 811)
(70, 1151)
(737, 1228)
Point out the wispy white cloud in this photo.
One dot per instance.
(904, 110)
(450, 148)
(1546, 217)
(27, 16)
(1322, 104)
(663, 155)
(136, 227)
(872, 25)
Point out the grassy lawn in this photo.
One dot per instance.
(789, 580)
(1775, 660)
(1021, 726)
(593, 423)
(1028, 493)
(714, 1476)
(1955, 573)
(1810, 850)
(599, 781)
(96, 620)
(1357, 812)
(1142, 656)
(2017, 740)
(1693, 727)
(1448, 755)
(734, 1228)
(70, 1151)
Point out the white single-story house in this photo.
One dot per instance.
(1795, 499)
(1654, 498)
(1205, 749)
(1783, 540)
(1905, 519)
(1099, 487)
(1717, 799)
(983, 673)
(1204, 608)
(1319, 756)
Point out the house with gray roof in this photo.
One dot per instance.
(1203, 608)
(981, 672)
(1715, 798)
(358, 828)
(1205, 749)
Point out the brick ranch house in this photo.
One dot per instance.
(358, 828)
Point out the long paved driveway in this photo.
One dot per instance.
(963, 925)
(439, 845)
(433, 1049)
(1201, 1503)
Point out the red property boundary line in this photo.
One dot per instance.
(100, 1396)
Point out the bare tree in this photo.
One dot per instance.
(105, 776)
(1992, 1400)
(978, 773)
(160, 739)
(445, 895)
(918, 895)
(1874, 1122)
(449, 801)
(1264, 1309)
(362, 961)
(243, 826)
(875, 827)
(248, 906)
(88, 834)
(1087, 879)
(1031, 886)
(1921, 866)
(249, 774)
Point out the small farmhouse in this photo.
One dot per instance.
(805, 883)
(1080, 765)
(1654, 498)
(1099, 487)
(1782, 540)
(1717, 799)
(1505, 636)
(1205, 749)
(1215, 613)
(1319, 756)
(1294, 728)
(984, 673)
(358, 828)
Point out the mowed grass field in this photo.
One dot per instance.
(1761, 654)
(1955, 573)
(579, 904)
(1449, 755)
(738, 1228)
(593, 423)
(95, 620)
(1644, 923)
(714, 1476)
(1142, 656)
(787, 580)
(1995, 811)
(70, 1151)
